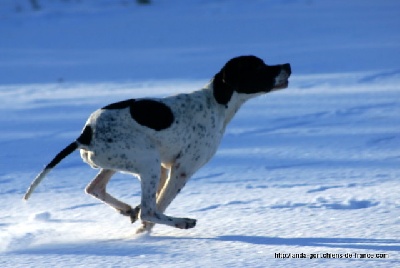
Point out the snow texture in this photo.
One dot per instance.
(311, 171)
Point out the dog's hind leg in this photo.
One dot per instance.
(97, 188)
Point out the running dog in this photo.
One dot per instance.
(165, 141)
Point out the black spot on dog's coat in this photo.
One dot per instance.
(86, 135)
(152, 114)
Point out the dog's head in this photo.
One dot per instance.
(249, 75)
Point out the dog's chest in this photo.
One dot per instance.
(196, 131)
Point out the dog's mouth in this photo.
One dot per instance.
(281, 85)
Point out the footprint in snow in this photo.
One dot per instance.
(348, 204)
(231, 203)
(20, 242)
(41, 216)
(329, 204)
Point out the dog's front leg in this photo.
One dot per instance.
(163, 179)
(167, 194)
(148, 206)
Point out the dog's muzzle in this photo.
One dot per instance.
(281, 80)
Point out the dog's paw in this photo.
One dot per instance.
(145, 228)
(132, 213)
(186, 223)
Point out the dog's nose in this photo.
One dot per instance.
(286, 67)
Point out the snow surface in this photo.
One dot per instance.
(312, 169)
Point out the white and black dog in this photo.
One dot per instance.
(165, 141)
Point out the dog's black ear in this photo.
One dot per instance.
(222, 91)
(232, 73)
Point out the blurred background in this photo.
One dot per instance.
(46, 41)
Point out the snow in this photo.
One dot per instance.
(311, 169)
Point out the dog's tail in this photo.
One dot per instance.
(60, 156)
(84, 138)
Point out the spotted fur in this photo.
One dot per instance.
(165, 141)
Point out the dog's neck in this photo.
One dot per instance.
(227, 99)
(234, 104)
